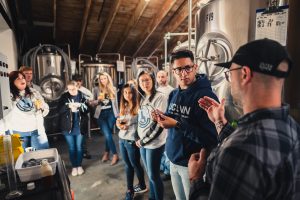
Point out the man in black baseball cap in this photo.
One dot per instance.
(260, 159)
(262, 56)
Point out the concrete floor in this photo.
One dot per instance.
(100, 180)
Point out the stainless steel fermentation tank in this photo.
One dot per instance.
(92, 70)
(51, 71)
(50, 75)
(221, 27)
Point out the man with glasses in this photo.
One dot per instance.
(260, 159)
(189, 128)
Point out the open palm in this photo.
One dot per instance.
(215, 110)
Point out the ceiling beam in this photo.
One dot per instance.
(138, 12)
(166, 7)
(54, 19)
(84, 21)
(174, 23)
(110, 19)
(37, 23)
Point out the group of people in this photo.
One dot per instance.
(183, 131)
(259, 158)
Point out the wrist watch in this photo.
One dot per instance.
(177, 126)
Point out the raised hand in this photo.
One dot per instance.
(215, 110)
(196, 165)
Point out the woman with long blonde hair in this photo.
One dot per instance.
(106, 113)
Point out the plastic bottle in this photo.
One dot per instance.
(47, 173)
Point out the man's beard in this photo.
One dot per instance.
(236, 96)
(163, 83)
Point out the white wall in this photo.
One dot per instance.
(8, 45)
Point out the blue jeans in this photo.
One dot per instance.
(131, 156)
(75, 148)
(33, 139)
(165, 164)
(151, 159)
(106, 122)
(180, 181)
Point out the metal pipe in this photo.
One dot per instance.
(190, 23)
(177, 34)
(149, 57)
(79, 61)
(107, 54)
(168, 36)
(166, 50)
(125, 71)
(69, 49)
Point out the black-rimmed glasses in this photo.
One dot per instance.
(187, 69)
(228, 75)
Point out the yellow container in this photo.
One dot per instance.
(17, 148)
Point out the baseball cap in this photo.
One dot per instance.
(262, 56)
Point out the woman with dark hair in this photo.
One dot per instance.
(28, 110)
(151, 137)
(127, 123)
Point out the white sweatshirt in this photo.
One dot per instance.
(155, 137)
(24, 117)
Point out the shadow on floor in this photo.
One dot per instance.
(100, 180)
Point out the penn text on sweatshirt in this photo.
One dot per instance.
(195, 130)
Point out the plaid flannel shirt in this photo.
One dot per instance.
(259, 160)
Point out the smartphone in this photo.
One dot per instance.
(158, 115)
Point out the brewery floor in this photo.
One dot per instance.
(100, 180)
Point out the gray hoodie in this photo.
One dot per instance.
(152, 136)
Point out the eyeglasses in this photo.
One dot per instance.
(228, 75)
(187, 69)
(145, 80)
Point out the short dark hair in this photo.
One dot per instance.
(181, 54)
(77, 77)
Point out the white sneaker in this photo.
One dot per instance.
(74, 172)
(80, 171)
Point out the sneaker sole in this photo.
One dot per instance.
(141, 191)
